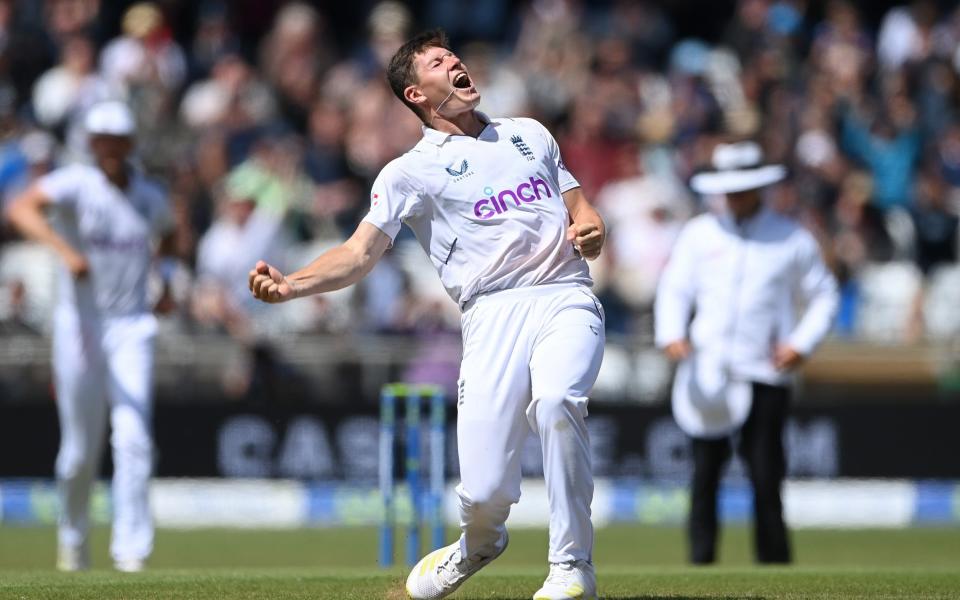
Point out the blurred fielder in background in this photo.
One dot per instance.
(107, 218)
(507, 228)
(743, 275)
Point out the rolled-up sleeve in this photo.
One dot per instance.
(817, 288)
(676, 291)
(393, 197)
(62, 185)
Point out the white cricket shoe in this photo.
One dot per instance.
(129, 565)
(574, 580)
(73, 558)
(441, 572)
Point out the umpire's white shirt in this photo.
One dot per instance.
(114, 229)
(745, 284)
(487, 210)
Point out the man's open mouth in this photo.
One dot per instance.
(462, 81)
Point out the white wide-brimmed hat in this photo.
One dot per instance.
(737, 168)
(112, 117)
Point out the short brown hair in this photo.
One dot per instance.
(401, 72)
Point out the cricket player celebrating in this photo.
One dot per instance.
(507, 229)
(107, 217)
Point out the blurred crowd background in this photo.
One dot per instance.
(268, 121)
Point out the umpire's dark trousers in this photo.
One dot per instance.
(760, 445)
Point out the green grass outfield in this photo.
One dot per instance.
(633, 562)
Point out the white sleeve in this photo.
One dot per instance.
(62, 185)
(817, 287)
(676, 291)
(564, 177)
(393, 198)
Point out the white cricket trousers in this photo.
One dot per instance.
(101, 363)
(530, 358)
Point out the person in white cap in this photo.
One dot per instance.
(508, 229)
(107, 218)
(761, 299)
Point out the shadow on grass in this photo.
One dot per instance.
(654, 597)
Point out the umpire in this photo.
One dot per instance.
(761, 299)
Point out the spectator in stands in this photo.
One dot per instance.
(233, 97)
(38, 149)
(905, 35)
(66, 90)
(146, 55)
(645, 211)
(213, 39)
(293, 56)
(62, 95)
(856, 227)
(948, 155)
(746, 32)
(934, 222)
(587, 146)
(841, 48)
(149, 68)
(13, 311)
(21, 164)
(742, 276)
(66, 18)
(337, 194)
(936, 230)
(889, 147)
(380, 129)
(505, 92)
(554, 56)
(245, 227)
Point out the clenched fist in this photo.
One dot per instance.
(268, 284)
(586, 238)
(678, 350)
(77, 264)
(786, 358)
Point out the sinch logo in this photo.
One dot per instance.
(496, 203)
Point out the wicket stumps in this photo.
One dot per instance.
(426, 505)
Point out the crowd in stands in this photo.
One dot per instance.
(267, 123)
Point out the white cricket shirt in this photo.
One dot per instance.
(114, 229)
(750, 286)
(488, 210)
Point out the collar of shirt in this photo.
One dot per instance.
(134, 175)
(747, 225)
(437, 138)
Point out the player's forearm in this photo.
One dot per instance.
(815, 323)
(587, 230)
(27, 217)
(582, 212)
(587, 215)
(672, 309)
(335, 269)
